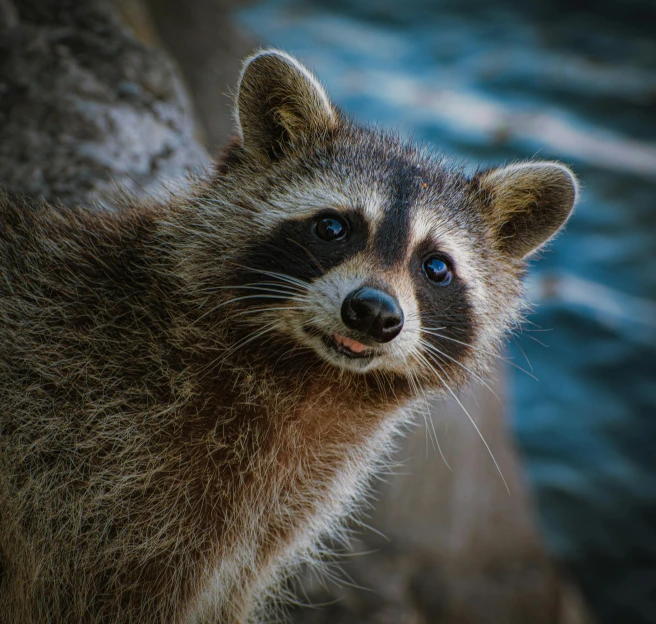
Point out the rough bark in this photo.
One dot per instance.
(210, 50)
(85, 107)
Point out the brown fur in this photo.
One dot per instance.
(155, 466)
(121, 451)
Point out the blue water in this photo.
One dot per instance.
(487, 82)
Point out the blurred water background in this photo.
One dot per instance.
(499, 81)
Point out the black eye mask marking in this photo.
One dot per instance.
(443, 303)
(295, 248)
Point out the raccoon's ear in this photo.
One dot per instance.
(280, 103)
(527, 203)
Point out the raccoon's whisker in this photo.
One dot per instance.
(455, 326)
(537, 327)
(281, 276)
(433, 331)
(473, 422)
(438, 352)
(252, 336)
(415, 391)
(277, 285)
(260, 285)
(455, 314)
(430, 430)
(524, 354)
(282, 291)
(264, 296)
(422, 329)
(289, 278)
(272, 309)
(490, 353)
(477, 377)
(296, 296)
(429, 418)
(427, 345)
(309, 253)
(244, 341)
(235, 299)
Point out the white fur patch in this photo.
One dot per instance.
(310, 197)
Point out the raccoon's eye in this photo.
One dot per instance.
(437, 270)
(330, 228)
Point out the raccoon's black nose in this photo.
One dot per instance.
(373, 312)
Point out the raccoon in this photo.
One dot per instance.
(194, 392)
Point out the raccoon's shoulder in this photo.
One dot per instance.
(75, 255)
(28, 220)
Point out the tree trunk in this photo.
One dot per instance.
(86, 108)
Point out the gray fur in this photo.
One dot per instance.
(161, 460)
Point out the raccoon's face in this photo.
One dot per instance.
(369, 253)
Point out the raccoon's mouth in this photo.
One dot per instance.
(347, 346)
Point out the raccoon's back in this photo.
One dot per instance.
(80, 306)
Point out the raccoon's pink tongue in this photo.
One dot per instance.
(351, 345)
